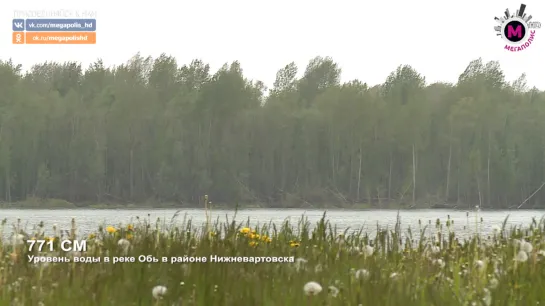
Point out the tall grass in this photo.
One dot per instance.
(506, 268)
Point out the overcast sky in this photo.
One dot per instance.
(367, 39)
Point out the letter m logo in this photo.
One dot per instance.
(514, 32)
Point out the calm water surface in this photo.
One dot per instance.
(89, 220)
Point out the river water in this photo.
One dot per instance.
(88, 220)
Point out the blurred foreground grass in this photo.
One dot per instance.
(330, 268)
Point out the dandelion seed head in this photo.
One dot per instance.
(312, 288)
(362, 274)
(123, 243)
(334, 291)
(158, 292)
(521, 256)
(354, 250)
(368, 250)
(439, 262)
(300, 264)
(526, 246)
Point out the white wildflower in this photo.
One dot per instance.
(312, 288)
(479, 264)
(18, 239)
(541, 252)
(354, 250)
(435, 249)
(158, 292)
(526, 246)
(394, 275)
(439, 262)
(362, 274)
(521, 256)
(368, 250)
(124, 244)
(318, 268)
(333, 291)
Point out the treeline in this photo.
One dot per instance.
(151, 131)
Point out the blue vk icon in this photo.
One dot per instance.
(18, 25)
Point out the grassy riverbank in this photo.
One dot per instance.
(329, 268)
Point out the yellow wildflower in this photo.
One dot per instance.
(253, 243)
(92, 236)
(212, 234)
(294, 244)
(266, 239)
(129, 236)
(245, 230)
(111, 229)
(130, 227)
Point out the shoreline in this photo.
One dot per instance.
(264, 208)
(393, 205)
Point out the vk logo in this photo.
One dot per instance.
(18, 25)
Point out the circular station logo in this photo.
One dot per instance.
(517, 30)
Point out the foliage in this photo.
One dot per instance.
(347, 269)
(151, 130)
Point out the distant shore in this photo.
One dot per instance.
(34, 203)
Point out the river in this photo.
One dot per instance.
(88, 220)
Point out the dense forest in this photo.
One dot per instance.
(154, 131)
